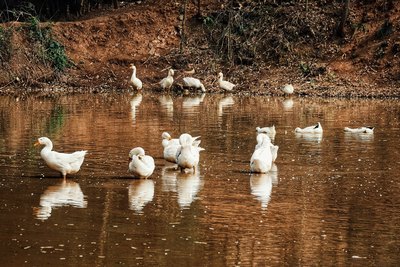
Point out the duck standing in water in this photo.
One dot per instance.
(65, 163)
(140, 164)
(227, 86)
(134, 81)
(193, 83)
(188, 154)
(167, 82)
(261, 160)
(170, 146)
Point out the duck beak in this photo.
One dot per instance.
(36, 143)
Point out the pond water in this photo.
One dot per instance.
(332, 199)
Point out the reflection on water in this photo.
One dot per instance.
(287, 104)
(140, 193)
(135, 103)
(310, 137)
(362, 137)
(336, 203)
(168, 104)
(188, 185)
(261, 185)
(168, 176)
(190, 102)
(224, 103)
(66, 193)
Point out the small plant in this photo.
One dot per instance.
(305, 68)
(52, 51)
(5, 44)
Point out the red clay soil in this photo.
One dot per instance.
(101, 46)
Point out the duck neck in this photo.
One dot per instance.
(133, 73)
(47, 148)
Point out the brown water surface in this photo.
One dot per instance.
(331, 199)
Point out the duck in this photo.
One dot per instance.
(288, 89)
(267, 130)
(65, 163)
(274, 152)
(134, 81)
(261, 159)
(167, 82)
(193, 82)
(188, 154)
(227, 86)
(317, 128)
(140, 164)
(365, 129)
(170, 146)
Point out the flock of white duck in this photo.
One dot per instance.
(183, 151)
(191, 82)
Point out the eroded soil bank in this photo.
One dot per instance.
(103, 44)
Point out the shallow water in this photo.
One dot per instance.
(331, 199)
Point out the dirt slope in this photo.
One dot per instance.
(103, 44)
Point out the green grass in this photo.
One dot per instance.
(51, 50)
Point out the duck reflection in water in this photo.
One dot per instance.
(67, 193)
(188, 185)
(140, 192)
(167, 103)
(168, 178)
(224, 103)
(310, 137)
(287, 104)
(192, 102)
(261, 185)
(135, 103)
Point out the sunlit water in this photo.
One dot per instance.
(330, 200)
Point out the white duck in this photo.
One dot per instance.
(270, 131)
(63, 162)
(193, 82)
(260, 143)
(261, 160)
(288, 89)
(267, 130)
(366, 129)
(310, 129)
(134, 81)
(227, 86)
(170, 146)
(188, 154)
(167, 82)
(141, 165)
(274, 152)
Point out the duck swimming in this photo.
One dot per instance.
(311, 129)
